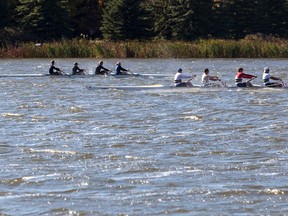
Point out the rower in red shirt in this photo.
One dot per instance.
(239, 79)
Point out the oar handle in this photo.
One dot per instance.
(192, 77)
(251, 79)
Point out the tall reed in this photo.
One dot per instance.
(250, 47)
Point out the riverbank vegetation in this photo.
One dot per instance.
(252, 46)
(144, 28)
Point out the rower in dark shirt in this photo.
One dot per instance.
(100, 70)
(76, 70)
(54, 70)
(120, 70)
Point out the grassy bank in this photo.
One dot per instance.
(250, 47)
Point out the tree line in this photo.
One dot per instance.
(185, 20)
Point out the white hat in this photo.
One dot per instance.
(266, 70)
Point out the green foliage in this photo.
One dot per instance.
(124, 19)
(271, 17)
(182, 19)
(86, 17)
(4, 14)
(44, 19)
(187, 20)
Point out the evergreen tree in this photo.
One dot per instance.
(4, 20)
(222, 21)
(272, 17)
(44, 19)
(182, 19)
(243, 15)
(124, 19)
(86, 17)
(202, 17)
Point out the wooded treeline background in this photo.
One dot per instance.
(118, 20)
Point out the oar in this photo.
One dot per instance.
(63, 73)
(277, 84)
(251, 79)
(222, 83)
(193, 76)
(84, 72)
(132, 74)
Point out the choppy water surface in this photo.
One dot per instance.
(65, 150)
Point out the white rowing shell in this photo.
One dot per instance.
(159, 86)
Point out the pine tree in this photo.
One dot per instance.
(86, 17)
(182, 19)
(243, 15)
(4, 15)
(124, 19)
(272, 17)
(44, 19)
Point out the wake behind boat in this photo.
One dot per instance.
(39, 75)
(24, 75)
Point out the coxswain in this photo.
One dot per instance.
(266, 79)
(178, 79)
(239, 79)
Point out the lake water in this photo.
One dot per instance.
(66, 150)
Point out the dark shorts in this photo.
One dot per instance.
(181, 85)
(241, 85)
(101, 73)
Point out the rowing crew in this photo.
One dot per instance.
(239, 82)
(100, 69)
(57, 71)
(179, 76)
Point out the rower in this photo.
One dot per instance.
(120, 70)
(206, 78)
(266, 79)
(239, 79)
(54, 70)
(76, 70)
(178, 79)
(100, 70)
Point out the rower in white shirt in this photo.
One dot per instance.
(266, 79)
(206, 78)
(179, 76)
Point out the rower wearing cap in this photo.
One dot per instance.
(178, 79)
(120, 70)
(54, 70)
(206, 78)
(266, 79)
(76, 70)
(239, 78)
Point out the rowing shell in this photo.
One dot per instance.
(140, 87)
(159, 86)
(138, 75)
(86, 76)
